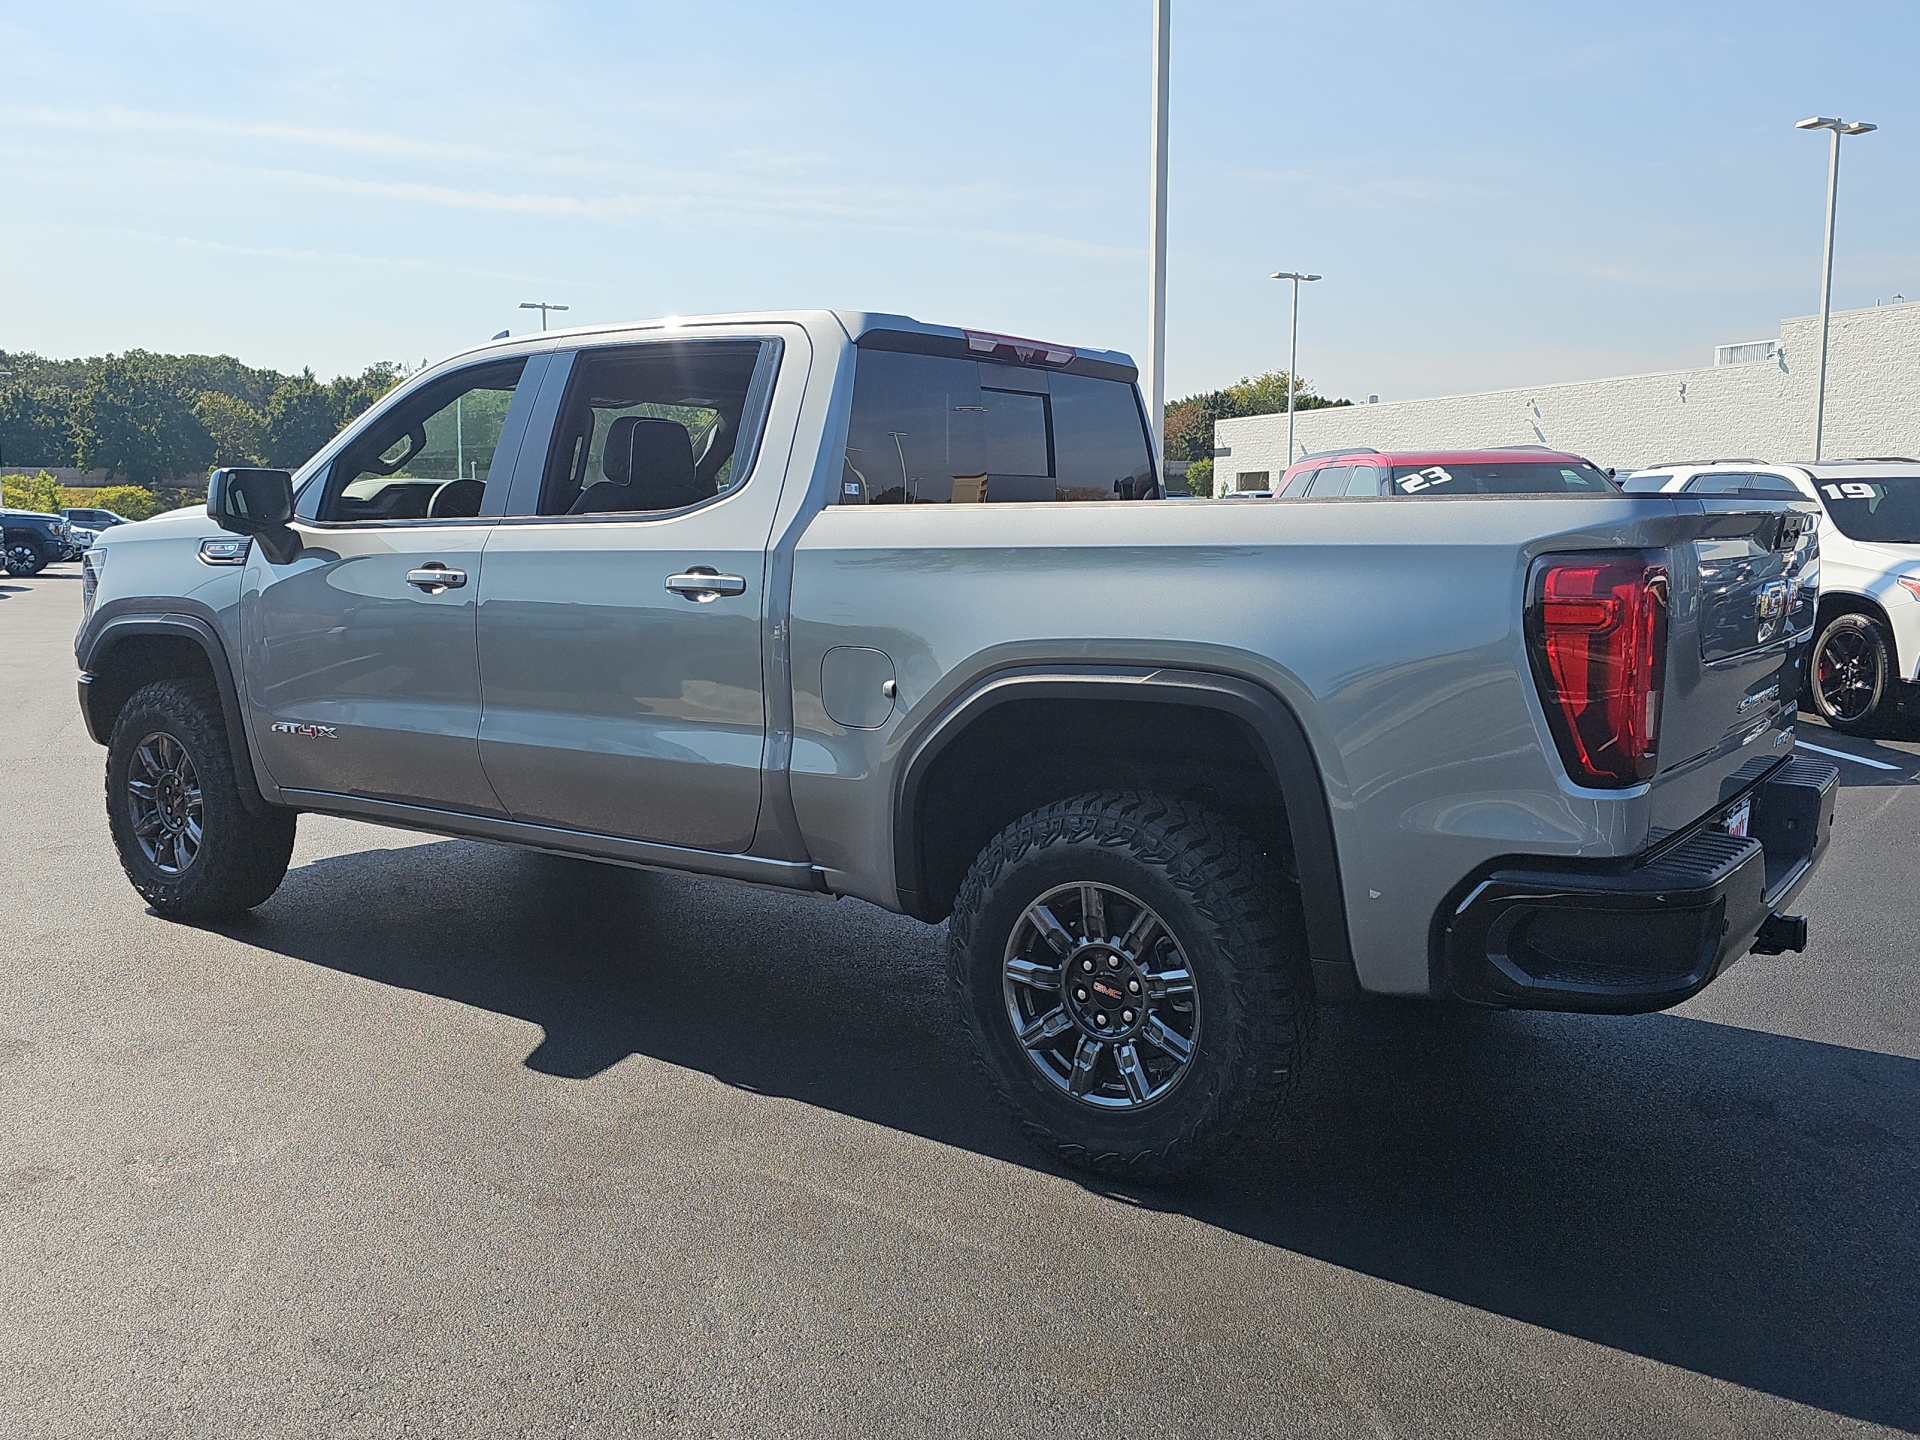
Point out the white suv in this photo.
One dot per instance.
(1866, 648)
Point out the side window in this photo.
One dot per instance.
(1099, 440)
(1365, 480)
(1297, 486)
(1774, 485)
(1645, 484)
(936, 429)
(1725, 482)
(657, 426)
(429, 456)
(1329, 480)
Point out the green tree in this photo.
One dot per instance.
(301, 417)
(39, 492)
(133, 419)
(1190, 422)
(353, 394)
(1200, 476)
(35, 424)
(129, 502)
(237, 429)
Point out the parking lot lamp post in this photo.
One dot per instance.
(1293, 351)
(1157, 237)
(1837, 128)
(543, 307)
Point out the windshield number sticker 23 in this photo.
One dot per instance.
(1423, 480)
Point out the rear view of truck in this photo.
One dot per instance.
(1681, 677)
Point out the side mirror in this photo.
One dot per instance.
(250, 501)
(257, 503)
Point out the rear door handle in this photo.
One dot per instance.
(434, 577)
(703, 584)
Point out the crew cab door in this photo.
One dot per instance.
(621, 613)
(361, 672)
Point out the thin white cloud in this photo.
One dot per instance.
(756, 185)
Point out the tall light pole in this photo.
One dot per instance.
(1293, 349)
(1157, 239)
(1838, 128)
(543, 307)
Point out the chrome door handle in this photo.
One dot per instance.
(703, 584)
(435, 577)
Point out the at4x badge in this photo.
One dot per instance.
(312, 732)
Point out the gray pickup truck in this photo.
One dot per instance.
(851, 604)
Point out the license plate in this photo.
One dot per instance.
(1735, 820)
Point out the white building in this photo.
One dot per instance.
(1757, 400)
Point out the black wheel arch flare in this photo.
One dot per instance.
(1282, 745)
(121, 624)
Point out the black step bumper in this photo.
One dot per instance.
(1625, 937)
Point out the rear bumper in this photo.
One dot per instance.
(1626, 937)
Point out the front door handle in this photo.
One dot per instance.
(433, 577)
(702, 584)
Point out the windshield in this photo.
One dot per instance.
(1502, 477)
(1885, 508)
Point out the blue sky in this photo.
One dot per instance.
(1497, 193)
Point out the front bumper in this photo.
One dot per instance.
(1642, 934)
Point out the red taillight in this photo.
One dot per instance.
(1597, 634)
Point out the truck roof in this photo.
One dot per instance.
(855, 323)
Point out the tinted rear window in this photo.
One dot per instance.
(1885, 508)
(932, 429)
(1501, 477)
(1646, 484)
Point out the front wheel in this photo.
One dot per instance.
(1133, 973)
(1848, 673)
(24, 559)
(186, 839)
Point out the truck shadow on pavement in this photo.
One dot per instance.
(1740, 1204)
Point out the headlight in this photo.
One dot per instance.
(91, 565)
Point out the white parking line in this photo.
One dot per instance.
(1842, 755)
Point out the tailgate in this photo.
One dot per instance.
(1740, 622)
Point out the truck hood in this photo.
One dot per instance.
(188, 522)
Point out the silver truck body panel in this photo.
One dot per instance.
(1392, 630)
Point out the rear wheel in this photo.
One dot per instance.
(186, 840)
(1133, 973)
(1848, 673)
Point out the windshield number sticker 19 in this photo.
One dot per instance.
(1852, 490)
(1423, 480)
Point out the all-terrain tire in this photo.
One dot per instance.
(1235, 920)
(240, 857)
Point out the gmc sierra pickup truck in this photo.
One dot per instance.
(857, 605)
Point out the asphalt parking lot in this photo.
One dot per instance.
(453, 1140)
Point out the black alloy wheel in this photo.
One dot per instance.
(1102, 996)
(1848, 672)
(166, 810)
(187, 837)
